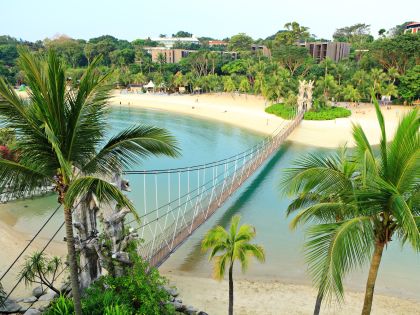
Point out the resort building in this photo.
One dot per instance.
(334, 50)
(169, 42)
(261, 49)
(213, 43)
(171, 55)
(412, 28)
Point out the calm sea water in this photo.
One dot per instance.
(258, 202)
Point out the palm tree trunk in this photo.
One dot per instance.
(230, 290)
(318, 302)
(373, 273)
(74, 276)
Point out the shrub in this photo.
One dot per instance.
(139, 292)
(281, 110)
(322, 113)
(61, 306)
(327, 113)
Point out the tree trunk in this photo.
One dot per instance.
(74, 276)
(373, 273)
(230, 290)
(318, 302)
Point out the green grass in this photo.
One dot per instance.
(327, 113)
(281, 110)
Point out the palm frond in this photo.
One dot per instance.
(104, 191)
(334, 249)
(16, 177)
(130, 146)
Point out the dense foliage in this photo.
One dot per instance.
(324, 113)
(140, 291)
(387, 64)
(327, 113)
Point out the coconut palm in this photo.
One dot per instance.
(351, 94)
(319, 184)
(230, 246)
(358, 209)
(62, 141)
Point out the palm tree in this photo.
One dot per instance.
(62, 141)
(231, 246)
(318, 184)
(360, 207)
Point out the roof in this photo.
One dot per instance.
(150, 85)
(413, 24)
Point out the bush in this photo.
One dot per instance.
(139, 292)
(281, 110)
(61, 306)
(327, 113)
(324, 113)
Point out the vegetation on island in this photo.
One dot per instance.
(323, 113)
(356, 202)
(62, 140)
(230, 246)
(389, 64)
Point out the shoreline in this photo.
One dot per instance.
(276, 297)
(247, 111)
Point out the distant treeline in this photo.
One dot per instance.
(388, 65)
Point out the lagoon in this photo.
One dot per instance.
(258, 202)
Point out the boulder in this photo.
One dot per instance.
(32, 311)
(190, 310)
(178, 301)
(172, 291)
(10, 306)
(48, 297)
(202, 313)
(178, 306)
(40, 305)
(38, 291)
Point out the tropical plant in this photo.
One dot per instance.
(41, 269)
(62, 141)
(230, 246)
(60, 306)
(141, 291)
(358, 203)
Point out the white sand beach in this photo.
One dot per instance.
(275, 298)
(247, 111)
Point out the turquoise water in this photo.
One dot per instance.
(258, 202)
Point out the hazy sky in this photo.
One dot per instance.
(131, 19)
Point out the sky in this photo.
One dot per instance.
(130, 19)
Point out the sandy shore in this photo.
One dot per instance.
(274, 298)
(248, 112)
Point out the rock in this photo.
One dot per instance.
(37, 292)
(202, 313)
(32, 311)
(172, 291)
(178, 306)
(178, 301)
(40, 305)
(47, 297)
(30, 299)
(10, 306)
(190, 310)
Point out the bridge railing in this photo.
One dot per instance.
(166, 227)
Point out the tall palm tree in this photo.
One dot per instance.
(318, 184)
(358, 209)
(233, 245)
(62, 140)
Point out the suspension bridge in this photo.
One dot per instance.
(177, 201)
